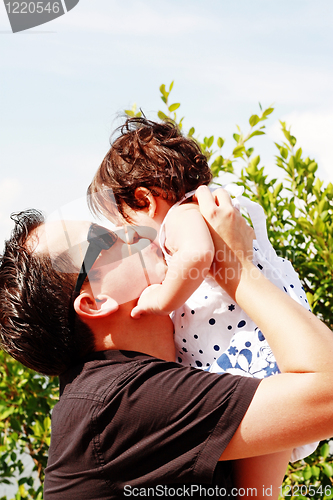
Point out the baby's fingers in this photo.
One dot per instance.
(136, 312)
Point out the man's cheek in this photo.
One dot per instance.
(131, 279)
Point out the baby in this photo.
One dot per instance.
(152, 171)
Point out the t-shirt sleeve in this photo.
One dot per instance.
(171, 422)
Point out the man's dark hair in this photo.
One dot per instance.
(35, 300)
(152, 155)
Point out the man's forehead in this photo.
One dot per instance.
(56, 237)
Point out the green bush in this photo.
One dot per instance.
(299, 212)
(300, 227)
(26, 401)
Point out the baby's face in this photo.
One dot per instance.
(151, 215)
(141, 217)
(144, 217)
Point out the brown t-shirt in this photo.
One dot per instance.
(126, 420)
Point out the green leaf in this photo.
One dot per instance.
(174, 106)
(47, 423)
(255, 162)
(249, 152)
(220, 142)
(267, 112)
(298, 154)
(327, 469)
(278, 190)
(163, 91)
(284, 153)
(256, 132)
(162, 116)
(312, 167)
(238, 151)
(129, 112)
(191, 132)
(290, 138)
(315, 471)
(216, 166)
(325, 450)
(254, 119)
(6, 413)
(210, 141)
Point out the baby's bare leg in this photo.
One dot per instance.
(260, 477)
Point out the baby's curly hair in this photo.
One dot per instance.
(147, 154)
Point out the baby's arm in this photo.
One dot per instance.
(188, 240)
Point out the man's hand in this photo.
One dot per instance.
(232, 237)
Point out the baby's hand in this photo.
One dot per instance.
(148, 303)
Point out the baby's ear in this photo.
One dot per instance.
(146, 199)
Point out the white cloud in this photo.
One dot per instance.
(135, 18)
(314, 133)
(10, 189)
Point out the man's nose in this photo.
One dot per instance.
(131, 234)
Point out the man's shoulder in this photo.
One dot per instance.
(100, 372)
(106, 375)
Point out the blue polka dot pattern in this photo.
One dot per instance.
(260, 336)
(234, 334)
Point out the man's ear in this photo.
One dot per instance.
(145, 196)
(89, 307)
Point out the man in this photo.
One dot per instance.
(127, 420)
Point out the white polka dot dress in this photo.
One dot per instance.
(213, 333)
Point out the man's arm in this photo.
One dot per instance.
(295, 407)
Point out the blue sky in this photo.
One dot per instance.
(64, 84)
